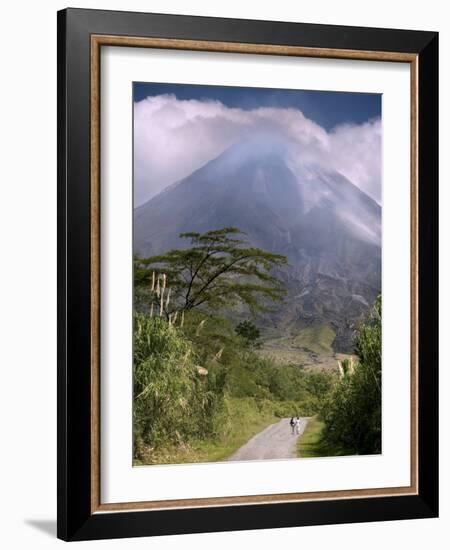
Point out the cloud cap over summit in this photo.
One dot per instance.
(173, 138)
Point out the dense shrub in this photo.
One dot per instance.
(352, 413)
(172, 400)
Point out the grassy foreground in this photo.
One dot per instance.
(242, 419)
(312, 445)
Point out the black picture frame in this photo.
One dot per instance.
(76, 521)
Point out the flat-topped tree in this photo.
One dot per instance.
(218, 271)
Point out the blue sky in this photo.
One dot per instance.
(325, 108)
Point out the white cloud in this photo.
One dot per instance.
(172, 138)
(356, 153)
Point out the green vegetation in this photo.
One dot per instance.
(312, 444)
(201, 392)
(218, 271)
(250, 332)
(239, 420)
(352, 412)
(202, 386)
(172, 401)
(317, 338)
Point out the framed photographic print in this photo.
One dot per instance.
(247, 274)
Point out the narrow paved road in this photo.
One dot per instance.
(276, 441)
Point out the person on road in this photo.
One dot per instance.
(292, 423)
(297, 425)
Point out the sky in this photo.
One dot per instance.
(178, 128)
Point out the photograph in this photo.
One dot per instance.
(257, 271)
(247, 292)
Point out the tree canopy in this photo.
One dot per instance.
(249, 332)
(218, 270)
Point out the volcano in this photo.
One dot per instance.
(327, 227)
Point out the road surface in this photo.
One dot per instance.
(276, 441)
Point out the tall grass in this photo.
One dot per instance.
(352, 412)
(172, 400)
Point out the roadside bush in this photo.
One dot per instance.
(173, 402)
(352, 413)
